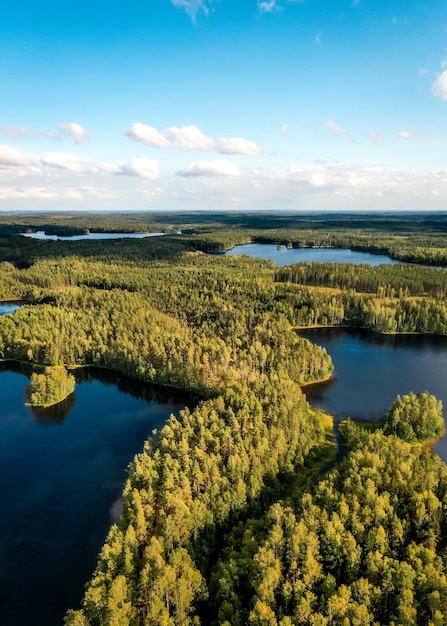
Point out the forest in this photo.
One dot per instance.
(230, 514)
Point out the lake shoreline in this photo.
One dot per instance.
(395, 333)
(317, 382)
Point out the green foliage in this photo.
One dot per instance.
(415, 417)
(364, 547)
(51, 387)
(222, 521)
(388, 281)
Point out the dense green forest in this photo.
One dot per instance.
(229, 517)
(50, 387)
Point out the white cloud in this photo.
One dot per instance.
(268, 6)
(351, 184)
(190, 138)
(44, 193)
(406, 134)
(72, 129)
(139, 167)
(17, 132)
(10, 157)
(96, 192)
(147, 134)
(284, 128)
(439, 88)
(151, 194)
(237, 145)
(217, 168)
(75, 130)
(336, 128)
(193, 7)
(63, 161)
(72, 194)
(107, 168)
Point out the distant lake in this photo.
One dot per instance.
(9, 307)
(62, 473)
(40, 234)
(285, 256)
(372, 369)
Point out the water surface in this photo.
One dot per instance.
(372, 369)
(62, 473)
(9, 307)
(40, 234)
(285, 256)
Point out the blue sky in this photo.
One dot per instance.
(223, 104)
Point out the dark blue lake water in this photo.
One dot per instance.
(62, 473)
(372, 369)
(284, 256)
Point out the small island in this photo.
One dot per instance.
(415, 418)
(49, 388)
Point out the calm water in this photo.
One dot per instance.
(40, 234)
(284, 256)
(9, 307)
(372, 369)
(62, 473)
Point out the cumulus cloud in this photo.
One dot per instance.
(139, 167)
(336, 128)
(75, 130)
(190, 138)
(147, 134)
(193, 7)
(403, 134)
(284, 128)
(217, 168)
(439, 89)
(10, 157)
(63, 161)
(237, 145)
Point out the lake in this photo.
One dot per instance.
(372, 369)
(40, 234)
(9, 307)
(285, 256)
(62, 474)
